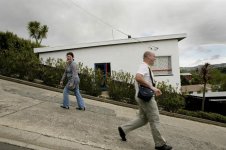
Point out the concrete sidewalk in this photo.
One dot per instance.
(31, 117)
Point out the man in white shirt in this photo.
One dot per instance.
(148, 111)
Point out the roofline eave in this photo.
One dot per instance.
(179, 37)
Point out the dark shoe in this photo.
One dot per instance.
(122, 134)
(65, 107)
(164, 147)
(79, 108)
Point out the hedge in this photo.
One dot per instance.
(204, 115)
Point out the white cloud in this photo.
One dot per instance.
(202, 20)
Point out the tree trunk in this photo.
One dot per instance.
(204, 98)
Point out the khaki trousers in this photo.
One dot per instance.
(148, 112)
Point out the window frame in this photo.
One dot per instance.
(170, 69)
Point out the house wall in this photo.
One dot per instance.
(125, 57)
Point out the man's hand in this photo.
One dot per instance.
(140, 79)
(157, 91)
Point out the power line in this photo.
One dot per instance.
(113, 34)
(112, 27)
(99, 19)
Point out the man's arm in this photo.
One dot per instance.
(140, 79)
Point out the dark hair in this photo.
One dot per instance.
(70, 53)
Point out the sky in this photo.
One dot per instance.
(82, 21)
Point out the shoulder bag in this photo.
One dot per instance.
(146, 93)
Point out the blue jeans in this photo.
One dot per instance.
(77, 94)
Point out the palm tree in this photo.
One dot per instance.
(205, 75)
(37, 31)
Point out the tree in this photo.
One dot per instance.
(223, 84)
(205, 75)
(17, 57)
(184, 81)
(195, 77)
(37, 31)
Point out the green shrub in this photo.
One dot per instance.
(51, 72)
(170, 100)
(121, 87)
(90, 80)
(17, 57)
(51, 76)
(204, 115)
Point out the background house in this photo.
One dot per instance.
(196, 88)
(214, 102)
(125, 55)
(187, 76)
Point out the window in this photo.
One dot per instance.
(162, 66)
(106, 69)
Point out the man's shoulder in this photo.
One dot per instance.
(143, 66)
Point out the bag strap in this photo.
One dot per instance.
(152, 81)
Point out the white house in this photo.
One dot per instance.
(125, 55)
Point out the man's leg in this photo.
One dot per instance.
(140, 121)
(152, 113)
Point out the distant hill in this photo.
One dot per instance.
(188, 69)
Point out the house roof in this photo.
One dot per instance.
(112, 42)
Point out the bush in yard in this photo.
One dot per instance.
(17, 57)
(52, 71)
(170, 100)
(121, 87)
(90, 80)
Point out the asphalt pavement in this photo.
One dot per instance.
(31, 117)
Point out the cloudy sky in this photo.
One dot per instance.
(74, 21)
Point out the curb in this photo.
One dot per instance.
(193, 118)
(113, 102)
(22, 144)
